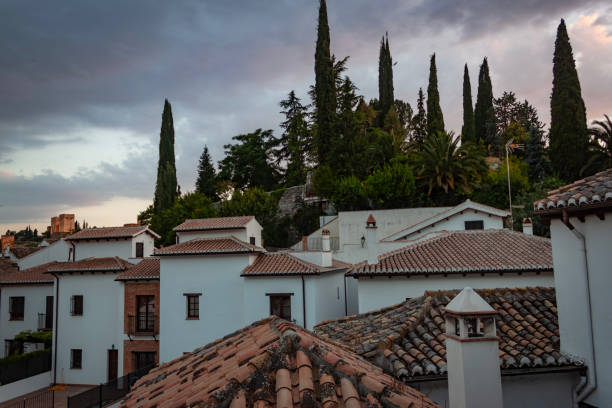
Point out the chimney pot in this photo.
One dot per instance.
(372, 240)
(305, 243)
(527, 226)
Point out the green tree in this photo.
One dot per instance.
(484, 113)
(495, 191)
(435, 119)
(385, 79)
(166, 187)
(324, 181)
(467, 131)
(348, 126)
(600, 147)
(392, 186)
(293, 144)
(568, 138)
(206, 182)
(419, 123)
(349, 195)
(536, 155)
(250, 162)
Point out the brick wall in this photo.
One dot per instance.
(7, 240)
(136, 288)
(129, 347)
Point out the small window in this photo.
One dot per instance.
(280, 305)
(76, 305)
(252, 240)
(144, 359)
(16, 307)
(139, 249)
(76, 358)
(474, 225)
(193, 305)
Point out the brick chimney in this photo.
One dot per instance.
(305, 243)
(372, 240)
(527, 226)
(7, 240)
(472, 353)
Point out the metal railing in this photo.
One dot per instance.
(109, 392)
(44, 323)
(142, 323)
(25, 367)
(44, 399)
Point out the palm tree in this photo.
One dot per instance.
(444, 164)
(600, 147)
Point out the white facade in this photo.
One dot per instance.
(251, 230)
(57, 251)
(35, 297)
(98, 330)
(572, 297)
(123, 247)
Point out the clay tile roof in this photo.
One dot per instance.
(109, 232)
(21, 252)
(229, 245)
(408, 339)
(110, 264)
(7, 266)
(202, 224)
(282, 263)
(592, 190)
(271, 363)
(148, 268)
(471, 251)
(34, 275)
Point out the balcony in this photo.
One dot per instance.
(142, 324)
(45, 322)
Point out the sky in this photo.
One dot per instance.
(82, 84)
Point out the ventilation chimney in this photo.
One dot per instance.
(304, 243)
(326, 255)
(472, 353)
(527, 226)
(371, 240)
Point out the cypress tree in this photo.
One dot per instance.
(324, 92)
(484, 114)
(385, 78)
(435, 120)
(467, 131)
(568, 127)
(419, 122)
(166, 186)
(206, 182)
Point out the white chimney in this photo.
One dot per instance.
(472, 353)
(326, 255)
(371, 240)
(527, 226)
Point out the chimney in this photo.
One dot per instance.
(472, 353)
(305, 243)
(527, 226)
(326, 255)
(371, 240)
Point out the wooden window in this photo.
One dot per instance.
(76, 305)
(474, 225)
(139, 250)
(252, 240)
(280, 305)
(193, 305)
(144, 359)
(145, 313)
(16, 307)
(76, 358)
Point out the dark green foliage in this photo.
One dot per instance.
(496, 181)
(600, 147)
(34, 337)
(349, 125)
(385, 79)
(419, 123)
(206, 182)
(372, 150)
(324, 181)
(392, 186)
(294, 142)
(435, 119)
(526, 197)
(484, 113)
(7, 363)
(144, 217)
(349, 195)
(249, 163)
(568, 127)
(536, 156)
(166, 187)
(467, 130)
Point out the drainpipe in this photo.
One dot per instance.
(304, 301)
(345, 301)
(55, 328)
(585, 388)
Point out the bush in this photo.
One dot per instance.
(350, 195)
(393, 186)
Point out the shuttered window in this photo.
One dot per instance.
(76, 305)
(16, 307)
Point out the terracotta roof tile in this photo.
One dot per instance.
(408, 339)
(209, 246)
(34, 275)
(465, 251)
(148, 268)
(109, 232)
(7, 266)
(110, 264)
(21, 251)
(202, 224)
(285, 366)
(283, 263)
(595, 189)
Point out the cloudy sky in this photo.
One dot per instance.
(82, 84)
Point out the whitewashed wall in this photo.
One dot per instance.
(568, 259)
(257, 304)
(100, 327)
(185, 236)
(58, 251)
(148, 244)
(383, 291)
(327, 297)
(123, 248)
(35, 303)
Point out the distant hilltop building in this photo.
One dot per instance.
(61, 225)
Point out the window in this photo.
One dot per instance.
(139, 249)
(144, 359)
(145, 312)
(76, 358)
(193, 305)
(16, 307)
(474, 225)
(280, 305)
(76, 305)
(252, 240)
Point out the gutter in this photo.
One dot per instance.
(55, 327)
(345, 301)
(585, 388)
(304, 301)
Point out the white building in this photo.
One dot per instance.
(129, 242)
(245, 228)
(580, 216)
(52, 250)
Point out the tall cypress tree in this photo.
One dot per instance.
(206, 182)
(484, 114)
(568, 127)
(166, 186)
(324, 92)
(419, 121)
(385, 78)
(435, 120)
(467, 131)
